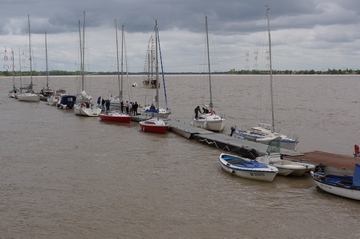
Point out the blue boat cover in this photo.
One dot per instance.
(151, 111)
(356, 178)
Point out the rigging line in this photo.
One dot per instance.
(162, 72)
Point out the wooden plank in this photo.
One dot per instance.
(335, 160)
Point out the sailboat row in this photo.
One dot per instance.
(207, 118)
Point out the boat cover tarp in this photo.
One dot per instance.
(243, 163)
(356, 178)
(151, 111)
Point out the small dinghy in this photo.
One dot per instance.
(247, 168)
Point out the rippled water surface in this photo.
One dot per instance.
(65, 176)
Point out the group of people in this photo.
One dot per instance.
(103, 104)
(130, 108)
(197, 111)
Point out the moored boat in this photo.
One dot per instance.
(264, 133)
(209, 119)
(344, 186)
(151, 110)
(154, 125)
(29, 97)
(66, 102)
(247, 168)
(115, 116)
(84, 106)
(286, 167)
(118, 115)
(55, 98)
(149, 80)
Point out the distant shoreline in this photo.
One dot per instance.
(231, 72)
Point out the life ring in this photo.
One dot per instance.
(213, 112)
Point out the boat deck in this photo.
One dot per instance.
(139, 117)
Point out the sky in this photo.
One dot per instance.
(305, 35)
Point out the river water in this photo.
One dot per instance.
(65, 176)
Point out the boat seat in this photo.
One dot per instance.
(236, 161)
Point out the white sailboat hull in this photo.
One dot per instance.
(209, 121)
(163, 113)
(286, 167)
(29, 97)
(84, 111)
(265, 136)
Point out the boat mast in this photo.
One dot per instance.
(156, 65)
(81, 62)
(149, 58)
(30, 58)
(120, 80)
(13, 67)
(83, 57)
(208, 60)
(47, 67)
(271, 78)
(20, 70)
(117, 61)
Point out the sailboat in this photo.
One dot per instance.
(149, 79)
(209, 119)
(265, 133)
(14, 91)
(155, 124)
(45, 93)
(84, 106)
(29, 94)
(116, 115)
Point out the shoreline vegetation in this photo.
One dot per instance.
(231, 72)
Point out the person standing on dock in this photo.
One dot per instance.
(122, 106)
(127, 107)
(197, 111)
(99, 102)
(135, 107)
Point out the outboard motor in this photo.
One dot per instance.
(233, 128)
(356, 150)
(320, 168)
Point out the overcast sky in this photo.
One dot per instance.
(307, 34)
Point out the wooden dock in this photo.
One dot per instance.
(334, 163)
(221, 141)
(337, 164)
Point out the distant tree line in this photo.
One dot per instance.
(232, 71)
(300, 72)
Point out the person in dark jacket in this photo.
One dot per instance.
(135, 107)
(197, 111)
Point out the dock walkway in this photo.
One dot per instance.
(337, 164)
(334, 163)
(221, 141)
